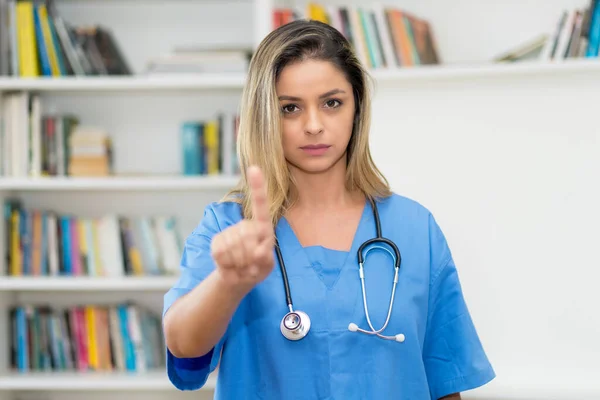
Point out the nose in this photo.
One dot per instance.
(313, 124)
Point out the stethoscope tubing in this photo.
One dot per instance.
(302, 329)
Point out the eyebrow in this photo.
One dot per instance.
(327, 94)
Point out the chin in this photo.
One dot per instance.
(313, 169)
(316, 165)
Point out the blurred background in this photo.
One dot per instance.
(118, 124)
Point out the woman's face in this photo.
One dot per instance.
(317, 106)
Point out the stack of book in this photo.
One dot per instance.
(382, 37)
(89, 337)
(209, 145)
(46, 243)
(576, 34)
(40, 43)
(90, 152)
(35, 143)
(200, 60)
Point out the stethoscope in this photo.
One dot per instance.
(295, 325)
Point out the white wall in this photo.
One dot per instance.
(510, 169)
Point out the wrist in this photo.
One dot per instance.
(232, 286)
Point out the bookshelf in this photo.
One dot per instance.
(219, 82)
(143, 114)
(142, 183)
(73, 382)
(489, 71)
(125, 83)
(85, 283)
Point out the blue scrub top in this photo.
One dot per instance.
(441, 354)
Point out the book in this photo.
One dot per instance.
(382, 36)
(124, 337)
(37, 41)
(46, 243)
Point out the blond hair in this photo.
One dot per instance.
(260, 138)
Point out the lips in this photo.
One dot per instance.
(315, 146)
(315, 150)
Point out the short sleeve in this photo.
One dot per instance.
(196, 264)
(454, 358)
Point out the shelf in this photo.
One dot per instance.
(125, 83)
(119, 183)
(486, 70)
(91, 381)
(237, 81)
(46, 284)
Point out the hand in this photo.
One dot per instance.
(243, 253)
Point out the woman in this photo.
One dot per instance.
(309, 185)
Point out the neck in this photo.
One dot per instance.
(323, 191)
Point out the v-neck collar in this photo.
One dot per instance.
(292, 248)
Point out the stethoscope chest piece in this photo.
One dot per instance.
(295, 325)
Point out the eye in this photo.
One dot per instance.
(289, 108)
(333, 103)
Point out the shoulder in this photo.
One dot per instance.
(219, 215)
(397, 203)
(400, 208)
(413, 222)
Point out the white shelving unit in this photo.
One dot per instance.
(235, 82)
(75, 284)
(474, 103)
(140, 183)
(125, 83)
(489, 71)
(70, 381)
(143, 114)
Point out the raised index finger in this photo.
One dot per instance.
(258, 194)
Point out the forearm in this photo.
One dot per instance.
(195, 323)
